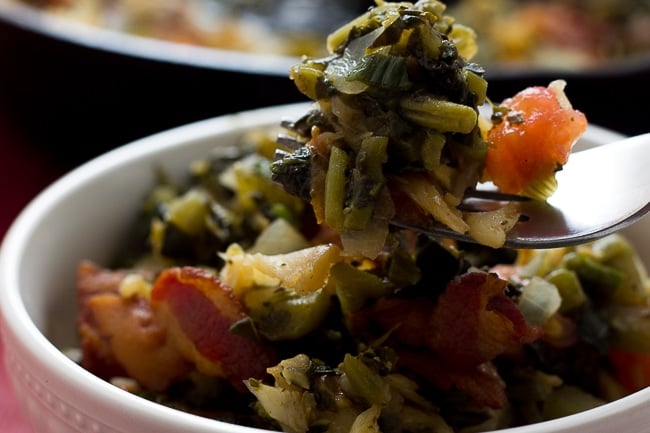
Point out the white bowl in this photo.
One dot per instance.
(81, 216)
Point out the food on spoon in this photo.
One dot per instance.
(532, 139)
(396, 119)
(556, 34)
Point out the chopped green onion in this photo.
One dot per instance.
(383, 71)
(365, 382)
(367, 181)
(335, 186)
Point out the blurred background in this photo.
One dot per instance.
(80, 77)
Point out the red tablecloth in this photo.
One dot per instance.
(24, 173)
(11, 418)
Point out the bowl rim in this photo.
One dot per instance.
(75, 32)
(15, 322)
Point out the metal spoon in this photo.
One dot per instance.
(600, 190)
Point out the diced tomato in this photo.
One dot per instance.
(631, 369)
(533, 140)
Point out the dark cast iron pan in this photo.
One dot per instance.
(78, 90)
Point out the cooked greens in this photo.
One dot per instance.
(395, 131)
(396, 97)
(428, 336)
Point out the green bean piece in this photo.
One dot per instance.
(356, 216)
(617, 252)
(335, 187)
(365, 382)
(605, 280)
(367, 181)
(443, 116)
(568, 284)
(431, 43)
(477, 85)
(431, 151)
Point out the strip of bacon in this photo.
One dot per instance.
(453, 341)
(185, 326)
(474, 321)
(199, 311)
(112, 326)
(482, 383)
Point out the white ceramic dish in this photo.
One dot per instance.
(79, 216)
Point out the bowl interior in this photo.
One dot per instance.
(88, 213)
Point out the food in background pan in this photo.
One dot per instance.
(282, 27)
(557, 34)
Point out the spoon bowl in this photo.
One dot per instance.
(600, 190)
